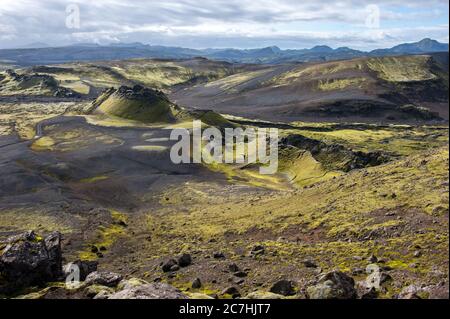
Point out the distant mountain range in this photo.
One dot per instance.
(35, 55)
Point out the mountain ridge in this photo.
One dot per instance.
(267, 55)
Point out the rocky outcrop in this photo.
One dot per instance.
(284, 288)
(42, 84)
(150, 291)
(334, 285)
(103, 278)
(29, 260)
(335, 156)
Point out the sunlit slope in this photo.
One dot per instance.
(145, 105)
(138, 104)
(387, 88)
(88, 78)
(32, 84)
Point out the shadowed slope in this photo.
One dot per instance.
(405, 88)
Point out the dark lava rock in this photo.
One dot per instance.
(167, 266)
(85, 268)
(238, 281)
(309, 264)
(257, 250)
(196, 284)
(240, 274)
(284, 288)
(232, 291)
(371, 294)
(31, 260)
(184, 260)
(233, 267)
(334, 285)
(103, 278)
(219, 255)
(372, 259)
(175, 268)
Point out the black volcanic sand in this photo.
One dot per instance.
(81, 176)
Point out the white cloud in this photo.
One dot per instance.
(220, 22)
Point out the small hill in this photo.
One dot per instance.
(32, 84)
(137, 104)
(150, 106)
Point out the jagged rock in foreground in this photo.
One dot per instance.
(104, 278)
(31, 260)
(284, 287)
(334, 285)
(150, 291)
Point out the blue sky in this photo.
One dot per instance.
(224, 23)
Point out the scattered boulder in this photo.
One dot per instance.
(233, 268)
(150, 291)
(438, 291)
(103, 278)
(309, 264)
(131, 283)
(218, 255)
(31, 260)
(334, 285)
(240, 274)
(231, 291)
(372, 259)
(238, 281)
(196, 284)
(168, 265)
(98, 291)
(257, 250)
(371, 294)
(174, 268)
(284, 288)
(184, 260)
